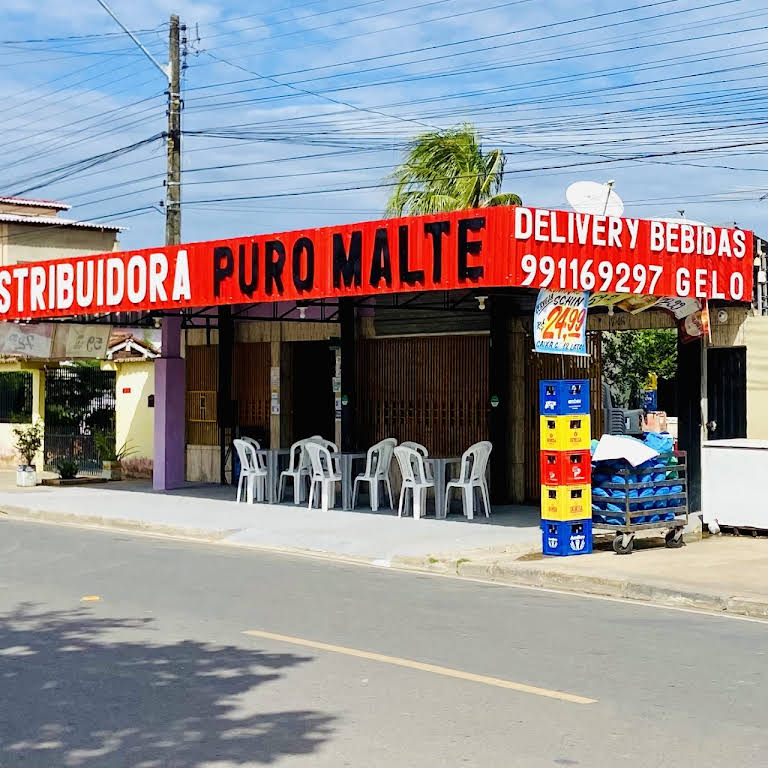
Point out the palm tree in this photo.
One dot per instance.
(447, 170)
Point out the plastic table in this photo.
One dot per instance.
(439, 465)
(345, 461)
(272, 459)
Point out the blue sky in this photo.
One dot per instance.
(302, 109)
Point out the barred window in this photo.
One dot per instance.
(16, 397)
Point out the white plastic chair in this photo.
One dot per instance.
(320, 440)
(323, 473)
(377, 465)
(415, 480)
(261, 461)
(298, 472)
(424, 454)
(471, 478)
(329, 444)
(252, 474)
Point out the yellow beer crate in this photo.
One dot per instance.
(565, 433)
(566, 502)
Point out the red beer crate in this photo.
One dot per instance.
(566, 467)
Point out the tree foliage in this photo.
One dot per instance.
(82, 398)
(447, 170)
(628, 358)
(28, 441)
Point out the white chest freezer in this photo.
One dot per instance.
(734, 480)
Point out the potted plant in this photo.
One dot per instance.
(29, 441)
(68, 469)
(111, 455)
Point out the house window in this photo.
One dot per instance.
(16, 397)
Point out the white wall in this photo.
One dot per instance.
(25, 242)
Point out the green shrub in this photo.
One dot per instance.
(67, 469)
(107, 449)
(105, 446)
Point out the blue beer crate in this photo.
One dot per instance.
(566, 537)
(563, 397)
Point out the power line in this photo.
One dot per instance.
(372, 16)
(65, 170)
(90, 36)
(580, 46)
(231, 19)
(357, 188)
(484, 38)
(296, 19)
(128, 122)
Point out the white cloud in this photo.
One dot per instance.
(540, 123)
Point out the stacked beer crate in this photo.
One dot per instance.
(566, 491)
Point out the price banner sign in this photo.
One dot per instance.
(679, 308)
(81, 341)
(26, 340)
(560, 322)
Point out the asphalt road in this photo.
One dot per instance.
(159, 673)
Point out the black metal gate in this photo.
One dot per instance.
(726, 392)
(79, 404)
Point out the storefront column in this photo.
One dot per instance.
(348, 380)
(690, 373)
(170, 400)
(281, 388)
(499, 406)
(38, 408)
(225, 414)
(517, 360)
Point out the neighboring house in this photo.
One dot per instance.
(34, 230)
(132, 359)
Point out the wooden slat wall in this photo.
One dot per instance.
(432, 390)
(201, 398)
(250, 381)
(557, 367)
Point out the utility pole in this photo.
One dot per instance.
(172, 73)
(170, 376)
(173, 179)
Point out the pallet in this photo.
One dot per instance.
(743, 530)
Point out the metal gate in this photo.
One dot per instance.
(79, 404)
(726, 392)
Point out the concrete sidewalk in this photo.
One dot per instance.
(716, 574)
(209, 513)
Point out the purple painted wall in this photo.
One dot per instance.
(170, 400)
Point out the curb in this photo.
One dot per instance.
(96, 521)
(513, 573)
(517, 574)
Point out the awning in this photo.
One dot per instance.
(479, 250)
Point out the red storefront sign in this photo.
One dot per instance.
(485, 248)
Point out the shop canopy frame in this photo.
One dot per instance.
(477, 251)
(441, 261)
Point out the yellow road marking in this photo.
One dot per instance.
(421, 666)
(90, 599)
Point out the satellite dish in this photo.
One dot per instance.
(595, 198)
